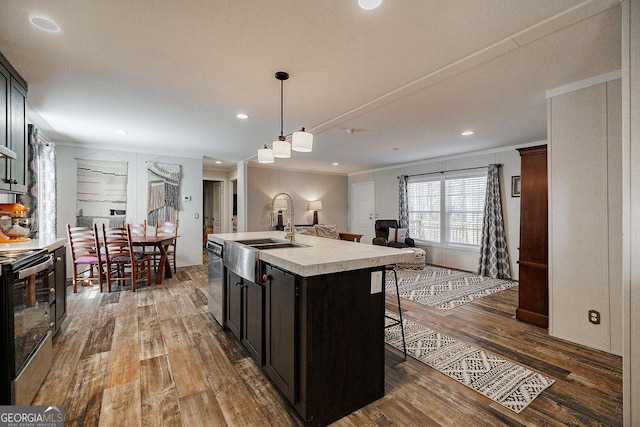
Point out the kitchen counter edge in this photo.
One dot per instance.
(34, 244)
(323, 255)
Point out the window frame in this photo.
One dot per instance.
(444, 219)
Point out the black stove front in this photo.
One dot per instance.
(26, 279)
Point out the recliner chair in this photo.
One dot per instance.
(382, 235)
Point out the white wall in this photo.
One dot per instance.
(190, 227)
(386, 197)
(585, 222)
(264, 183)
(631, 209)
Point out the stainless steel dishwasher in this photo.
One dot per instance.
(216, 281)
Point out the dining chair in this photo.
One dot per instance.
(138, 228)
(167, 229)
(122, 260)
(84, 246)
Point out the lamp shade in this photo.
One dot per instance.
(281, 149)
(280, 204)
(315, 205)
(265, 155)
(302, 141)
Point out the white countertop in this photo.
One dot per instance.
(33, 244)
(322, 255)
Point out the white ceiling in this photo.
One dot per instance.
(408, 76)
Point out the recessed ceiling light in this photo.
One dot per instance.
(467, 133)
(218, 162)
(45, 24)
(335, 164)
(242, 116)
(121, 132)
(369, 4)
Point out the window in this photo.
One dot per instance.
(447, 209)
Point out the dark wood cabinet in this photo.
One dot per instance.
(324, 341)
(533, 296)
(60, 266)
(13, 128)
(280, 328)
(18, 138)
(234, 304)
(245, 314)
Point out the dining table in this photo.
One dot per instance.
(161, 243)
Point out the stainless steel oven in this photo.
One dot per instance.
(28, 318)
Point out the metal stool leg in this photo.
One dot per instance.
(395, 320)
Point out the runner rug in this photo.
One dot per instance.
(443, 288)
(513, 386)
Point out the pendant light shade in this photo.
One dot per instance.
(265, 155)
(302, 141)
(281, 149)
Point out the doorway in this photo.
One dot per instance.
(363, 210)
(213, 202)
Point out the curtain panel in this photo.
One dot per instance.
(494, 256)
(403, 212)
(40, 197)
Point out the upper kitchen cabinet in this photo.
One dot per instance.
(13, 129)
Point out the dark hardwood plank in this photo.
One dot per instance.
(170, 363)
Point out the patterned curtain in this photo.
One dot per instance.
(163, 201)
(403, 214)
(40, 197)
(494, 256)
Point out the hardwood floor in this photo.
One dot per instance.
(157, 357)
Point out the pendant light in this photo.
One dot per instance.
(282, 147)
(301, 141)
(265, 155)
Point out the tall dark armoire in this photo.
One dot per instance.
(533, 298)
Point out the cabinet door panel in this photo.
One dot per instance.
(18, 137)
(5, 79)
(280, 331)
(60, 256)
(234, 300)
(253, 319)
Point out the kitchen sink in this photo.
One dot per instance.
(269, 243)
(242, 256)
(277, 246)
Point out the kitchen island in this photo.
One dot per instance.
(313, 320)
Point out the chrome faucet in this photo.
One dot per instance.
(290, 228)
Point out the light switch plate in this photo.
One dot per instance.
(376, 282)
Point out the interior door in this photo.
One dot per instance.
(217, 206)
(363, 210)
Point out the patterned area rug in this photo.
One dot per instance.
(444, 288)
(513, 386)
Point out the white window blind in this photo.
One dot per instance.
(424, 210)
(464, 209)
(447, 209)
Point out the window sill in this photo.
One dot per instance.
(448, 246)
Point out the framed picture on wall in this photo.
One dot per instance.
(515, 186)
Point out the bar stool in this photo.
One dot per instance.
(396, 320)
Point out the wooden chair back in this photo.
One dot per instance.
(138, 228)
(120, 255)
(84, 246)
